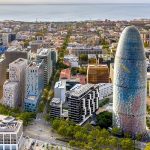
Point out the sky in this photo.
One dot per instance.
(71, 1)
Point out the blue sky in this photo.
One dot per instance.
(74, 1)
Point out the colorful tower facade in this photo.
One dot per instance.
(129, 91)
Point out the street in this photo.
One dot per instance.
(40, 130)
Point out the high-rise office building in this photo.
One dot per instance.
(97, 74)
(14, 53)
(34, 85)
(45, 55)
(129, 91)
(17, 74)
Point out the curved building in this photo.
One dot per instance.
(129, 91)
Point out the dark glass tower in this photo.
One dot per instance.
(129, 92)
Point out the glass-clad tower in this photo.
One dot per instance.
(129, 91)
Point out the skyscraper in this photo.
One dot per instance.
(129, 91)
(17, 74)
(45, 55)
(34, 85)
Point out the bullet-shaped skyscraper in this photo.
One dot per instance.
(129, 91)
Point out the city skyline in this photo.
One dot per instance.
(68, 1)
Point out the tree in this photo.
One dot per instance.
(80, 136)
(55, 124)
(83, 70)
(104, 119)
(27, 117)
(113, 142)
(139, 137)
(147, 146)
(116, 131)
(62, 130)
(83, 57)
(127, 144)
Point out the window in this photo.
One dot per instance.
(1, 147)
(14, 147)
(7, 147)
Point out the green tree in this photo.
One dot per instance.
(113, 142)
(83, 57)
(127, 144)
(104, 119)
(147, 146)
(56, 124)
(116, 131)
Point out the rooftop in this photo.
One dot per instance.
(43, 52)
(60, 84)
(9, 124)
(79, 90)
(19, 61)
(55, 102)
(13, 48)
(35, 64)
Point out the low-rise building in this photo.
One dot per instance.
(72, 59)
(105, 89)
(55, 108)
(65, 74)
(11, 133)
(97, 74)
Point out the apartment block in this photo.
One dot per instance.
(82, 102)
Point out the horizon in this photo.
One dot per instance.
(79, 3)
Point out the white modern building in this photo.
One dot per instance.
(34, 85)
(10, 94)
(72, 59)
(17, 74)
(45, 54)
(11, 133)
(105, 89)
(60, 90)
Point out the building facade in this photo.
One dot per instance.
(34, 85)
(17, 74)
(60, 90)
(129, 91)
(11, 133)
(97, 74)
(82, 102)
(55, 108)
(10, 94)
(13, 53)
(45, 55)
(2, 74)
